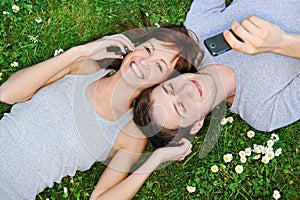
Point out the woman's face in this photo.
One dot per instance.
(150, 63)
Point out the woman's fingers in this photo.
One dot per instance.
(121, 41)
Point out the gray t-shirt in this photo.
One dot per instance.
(267, 85)
(54, 134)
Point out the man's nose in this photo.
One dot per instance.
(186, 91)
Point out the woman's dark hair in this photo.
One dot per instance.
(158, 136)
(178, 37)
(175, 37)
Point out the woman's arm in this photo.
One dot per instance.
(261, 36)
(131, 143)
(23, 84)
(127, 188)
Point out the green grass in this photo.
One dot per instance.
(69, 23)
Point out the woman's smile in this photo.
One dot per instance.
(136, 70)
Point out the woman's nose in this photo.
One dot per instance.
(147, 62)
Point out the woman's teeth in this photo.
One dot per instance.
(137, 71)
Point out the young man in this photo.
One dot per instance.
(263, 89)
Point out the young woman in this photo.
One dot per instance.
(70, 114)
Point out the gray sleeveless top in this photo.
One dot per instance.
(53, 135)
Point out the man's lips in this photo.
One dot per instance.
(198, 86)
(136, 70)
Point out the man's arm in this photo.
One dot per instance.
(261, 36)
(201, 8)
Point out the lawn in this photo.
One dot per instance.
(33, 32)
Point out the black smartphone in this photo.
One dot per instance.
(217, 44)
(117, 50)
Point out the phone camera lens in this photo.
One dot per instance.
(212, 45)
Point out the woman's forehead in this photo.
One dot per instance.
(158, 44)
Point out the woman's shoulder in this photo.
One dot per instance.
(131, 138)
(84, 66)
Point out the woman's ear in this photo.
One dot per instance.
(196, 127)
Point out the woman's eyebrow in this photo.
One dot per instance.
(153, 49)
(152, 46)
(165, 63)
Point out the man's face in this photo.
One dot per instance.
(184, 100)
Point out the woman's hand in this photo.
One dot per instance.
(258, 35)
(97, 50)
(174, 153)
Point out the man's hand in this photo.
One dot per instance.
(258, 35)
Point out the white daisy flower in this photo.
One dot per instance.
(230, 119)
(5, 12)
(223, 121)
(39, 20)
(14, 64)
(270, 143)
(276, 194)
(157, 25)
(278, 152)
(270, 149)
(191, 189)
(264, 150)
(242, 153)
(65, 190)
(250, 134)
(265, 159)
(58, 51)
(274, 137)
(239, 169)
(147, 14)
(243, 159)
(228, 157)
(256, 148)
(270, 155)
(15, 8)
(34, 39)
(248, 151)
(214, 168)
(256, 157)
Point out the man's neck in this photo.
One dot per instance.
(224, 77)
